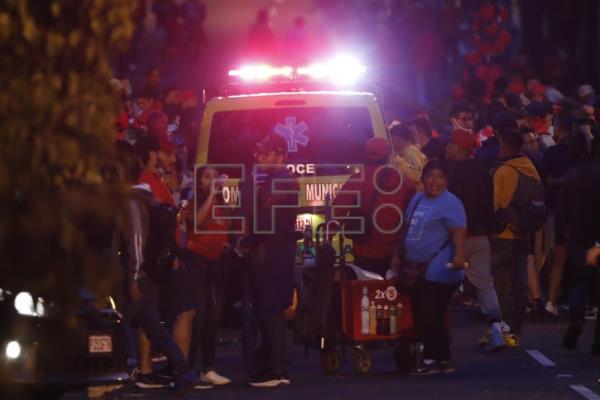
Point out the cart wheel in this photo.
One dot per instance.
(362, 360)
(405, 356)
(331, 361)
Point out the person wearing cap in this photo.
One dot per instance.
(510, 249)
(557, 164)
(381, 208)
(471, 183)
(540, 116)
(408, 158)
(586, 94)
(270, 242)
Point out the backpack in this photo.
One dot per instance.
(526, 213)
(161, 244)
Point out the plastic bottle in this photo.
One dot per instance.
(386, 320)
(393, 321)
(364, 312)
(372, 319)
(379, 320)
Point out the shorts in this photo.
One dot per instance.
(177, 293)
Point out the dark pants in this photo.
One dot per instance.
(271, 285)
(377, 265)
(208, 278)
(509, 269)
(430, 302)
(273, 352)
(147, 316)
(585, 283)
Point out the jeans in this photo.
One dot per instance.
(147, 315)
(477, 252)
(208, 278)
(509, 269)
(430, 302)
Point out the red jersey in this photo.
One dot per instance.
(213, 239)
(161, 192)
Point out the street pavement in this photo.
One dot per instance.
(508, 374)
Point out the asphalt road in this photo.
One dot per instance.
(508, 374)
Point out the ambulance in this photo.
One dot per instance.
(318, 109)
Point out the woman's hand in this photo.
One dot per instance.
(459, 261)
(184, 214)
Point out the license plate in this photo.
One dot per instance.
(100, 344)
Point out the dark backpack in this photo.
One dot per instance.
(161, 244)
(526, 213)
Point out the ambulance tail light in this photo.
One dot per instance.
(261, 73)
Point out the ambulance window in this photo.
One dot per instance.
(319, 135)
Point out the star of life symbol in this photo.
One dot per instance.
(293, 133)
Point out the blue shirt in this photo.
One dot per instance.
(429, 230)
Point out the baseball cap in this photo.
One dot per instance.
(164, 144)
(585, 90)
(463, 138)
(377, 149)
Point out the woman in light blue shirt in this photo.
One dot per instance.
(436, 237)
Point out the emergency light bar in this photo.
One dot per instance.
(261, 73)
(343, 71)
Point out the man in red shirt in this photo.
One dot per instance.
(157, 154)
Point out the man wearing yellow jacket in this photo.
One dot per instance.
(510, 250)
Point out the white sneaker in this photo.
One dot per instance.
(214, 378)
(551, 309)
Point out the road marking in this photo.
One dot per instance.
(542, 359)
(585, 392)
(564, 376)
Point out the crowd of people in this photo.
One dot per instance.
(501, 201)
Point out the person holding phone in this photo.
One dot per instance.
(208, 237)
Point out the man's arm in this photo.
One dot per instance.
(136, 248)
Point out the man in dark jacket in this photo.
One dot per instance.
(271, 241)
(472, 184)
(578, 213)
(144, 288)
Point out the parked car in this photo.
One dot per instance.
(44, 350)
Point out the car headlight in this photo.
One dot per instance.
(12, 350)
(25, 305)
